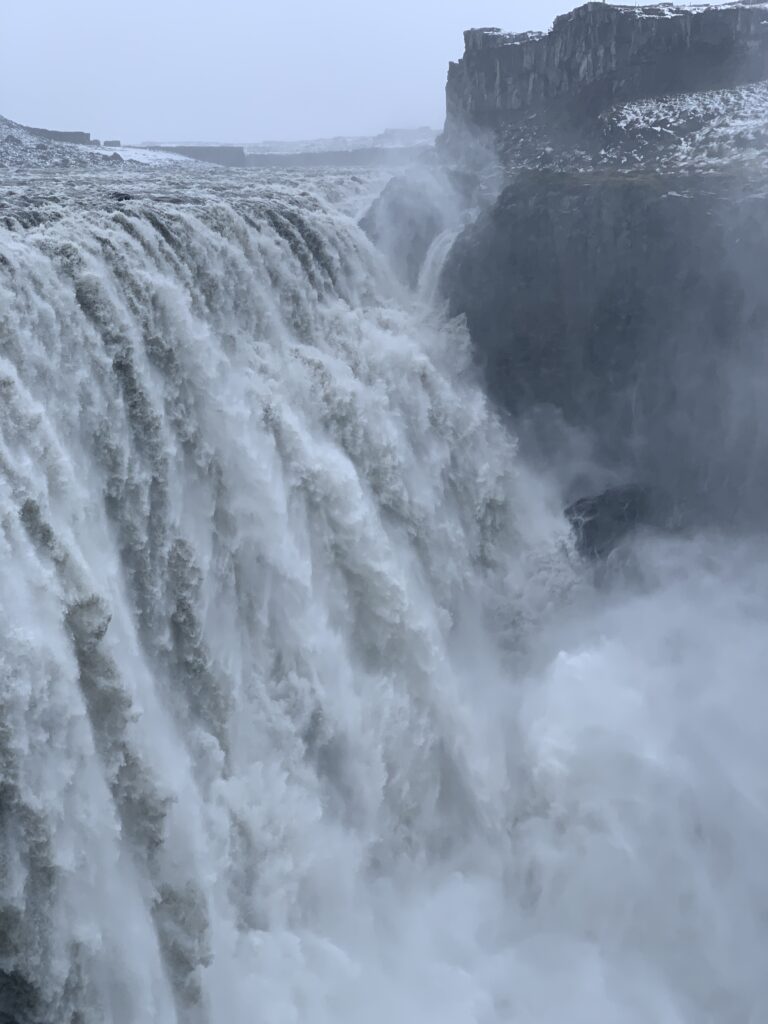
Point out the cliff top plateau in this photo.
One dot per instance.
(678, 87)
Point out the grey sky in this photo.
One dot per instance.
(238, 70)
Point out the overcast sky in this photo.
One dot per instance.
(239, 70)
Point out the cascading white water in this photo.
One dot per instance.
(309, 712)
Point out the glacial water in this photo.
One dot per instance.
(310, 713)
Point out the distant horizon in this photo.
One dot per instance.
(196, 70)
(67, 127)
(167, 141)
(224, 142)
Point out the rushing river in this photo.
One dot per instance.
(310, 713)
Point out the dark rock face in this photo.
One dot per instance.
(600, 55)
(636, 306)
(600, 522)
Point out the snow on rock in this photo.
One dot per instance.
(705, 131)
(698, 131)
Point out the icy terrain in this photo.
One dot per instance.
(712, 131)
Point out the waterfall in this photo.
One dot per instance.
(309, 712)
(429, 276)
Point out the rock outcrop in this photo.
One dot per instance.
(600, 55)
(403, 222)
(601, 521)
(412, 210)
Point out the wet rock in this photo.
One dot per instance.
(600, 522)
(88, 621)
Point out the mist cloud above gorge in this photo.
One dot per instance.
(237, 70)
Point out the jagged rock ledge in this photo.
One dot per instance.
(600, 55)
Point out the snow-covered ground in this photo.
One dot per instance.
(140, 155)
(687, 132)
(19, 148)
(670, 10)
(697, 131)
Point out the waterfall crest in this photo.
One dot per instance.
(309, 711)
(248, 515)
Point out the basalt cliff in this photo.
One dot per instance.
(615, 290)
(601, 54)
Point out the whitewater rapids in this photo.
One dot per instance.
(309, 712)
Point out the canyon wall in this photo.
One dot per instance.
(600, 54)
(621, 294)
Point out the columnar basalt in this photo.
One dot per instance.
(601, 54)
